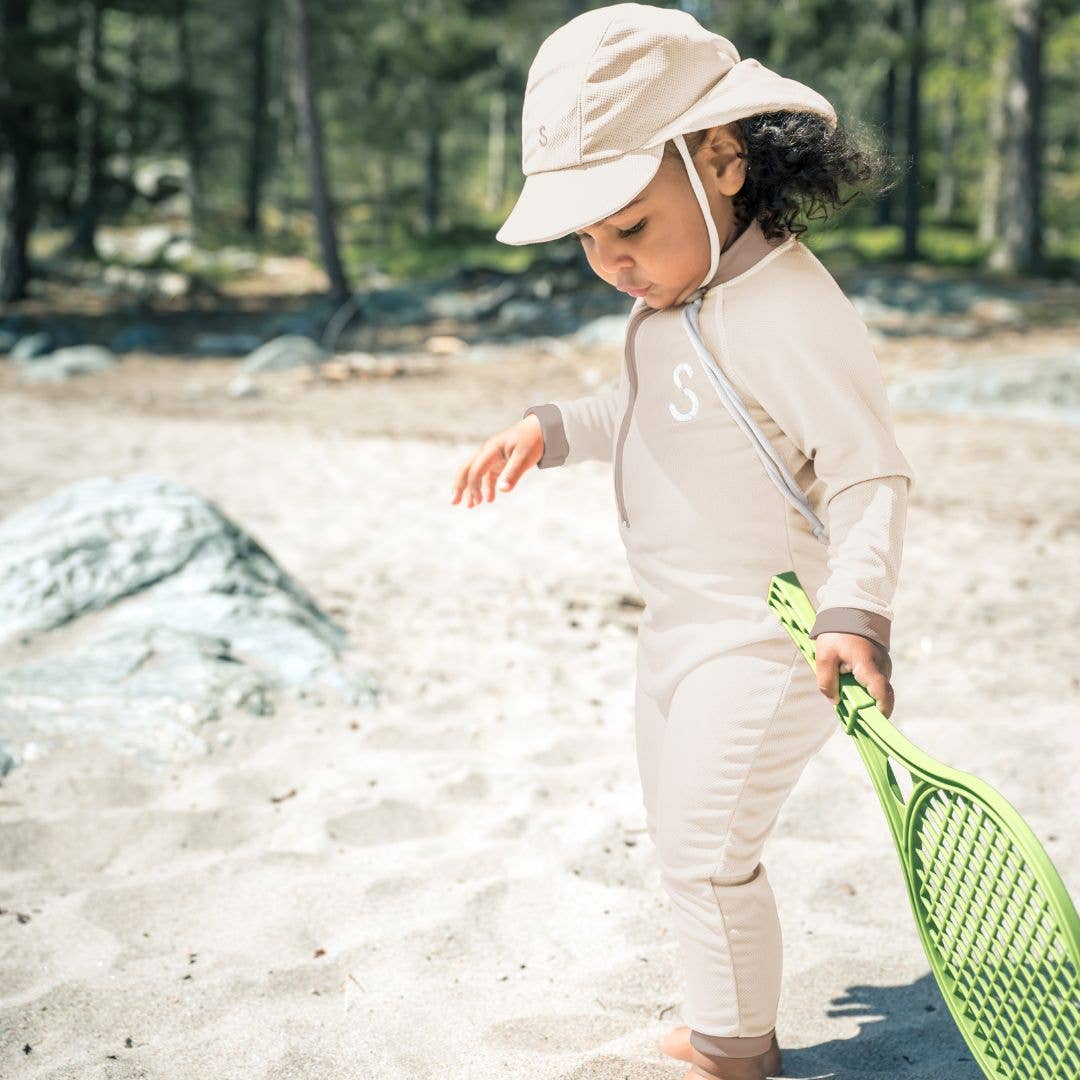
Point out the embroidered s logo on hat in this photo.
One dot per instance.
(543, 136)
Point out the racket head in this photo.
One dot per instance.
(997, 924)
(998, 928)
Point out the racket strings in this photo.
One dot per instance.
(994, 930)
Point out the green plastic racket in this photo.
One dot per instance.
(998, 926)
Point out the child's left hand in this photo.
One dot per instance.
(865, 659)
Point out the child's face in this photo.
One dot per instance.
(661, 242)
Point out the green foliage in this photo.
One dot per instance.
(413, 257)
(397, 79)
(942, 245)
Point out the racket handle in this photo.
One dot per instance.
(795, 611)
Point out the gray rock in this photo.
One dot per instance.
(1031, 387)
(480, 304)
(515, 314)
(39, 344)
(287, 351)
(146, 690)
(225, 344)
(64, 363)
(607, 330)
(185, 612)
(902, 306)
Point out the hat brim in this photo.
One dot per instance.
(554, 204)
(748, 89)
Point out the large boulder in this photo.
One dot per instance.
(151, 690)
(286, 351)
(31, 345)
(60, 365)
(149, 612)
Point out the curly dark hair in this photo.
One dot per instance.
(796, 164)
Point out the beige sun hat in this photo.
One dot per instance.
(604, 94)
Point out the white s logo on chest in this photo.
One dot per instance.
(676, 375)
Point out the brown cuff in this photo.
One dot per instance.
(728, 1046)
(851, 620)
(551, 424)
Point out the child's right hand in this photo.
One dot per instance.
(506, 456)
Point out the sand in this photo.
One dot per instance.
(458, 884)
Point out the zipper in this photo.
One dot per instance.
(624, 428)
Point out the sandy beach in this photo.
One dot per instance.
(457, 884)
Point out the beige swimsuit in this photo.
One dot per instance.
(727, 711)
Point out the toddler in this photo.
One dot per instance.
(749, 434)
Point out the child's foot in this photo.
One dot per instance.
(676, 1044)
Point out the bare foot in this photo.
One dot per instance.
(676, 1044)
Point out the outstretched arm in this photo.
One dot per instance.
(582, 429)
(578, 430)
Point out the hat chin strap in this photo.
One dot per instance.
(703, 202)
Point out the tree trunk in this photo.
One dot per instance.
(1021, 248)
(945, 194)
(17, 151)
(189, 119)
(433, 189)
(86, 194)
(383, 235)
(257, 148)
(311, 128)
(887, 203)
(127, 135)
(496, 152)
(990, 201)
(911, 188)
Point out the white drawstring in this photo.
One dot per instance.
(774, 464)
(703, 202)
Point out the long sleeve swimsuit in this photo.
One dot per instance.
(728, 713)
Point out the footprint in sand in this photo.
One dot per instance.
(386, 822)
